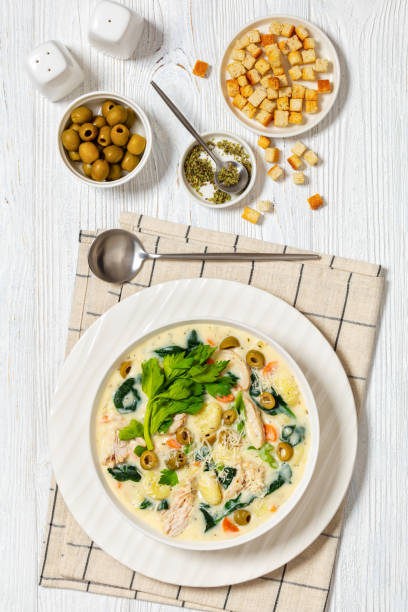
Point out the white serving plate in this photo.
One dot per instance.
(71, 449)
(94, 101)
(283, 510)
(234, 198)
(324, 49)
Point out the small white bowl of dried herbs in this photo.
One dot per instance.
(197, 169)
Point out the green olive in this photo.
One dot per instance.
(183, 435)
(70, 140)
(229, 342)
(176, 460)
(210, 438)
(82, 114)
(88, 131)
(229, 417)
(242, 517)
(136, 144)
(267, 400)
(113, 154)
(99, 121)
(131, 116)
(284, 451)
(120, 134)
(148, 460)
(115, 172)
(255, 359)
(75, 126)
(129, 162)
(88, 152)
(106, 107)
(87, 168)
(117, 114)
(104, 138)
(100, 170)
(74, 155)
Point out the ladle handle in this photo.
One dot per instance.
(184, 121)
(235, 256)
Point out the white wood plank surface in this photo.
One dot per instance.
(364, 181)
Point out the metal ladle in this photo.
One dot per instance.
(219, 164)
(116, 256)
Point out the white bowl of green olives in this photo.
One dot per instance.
(104, 139)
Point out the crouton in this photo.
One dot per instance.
(308, 74)
(241, 43)
(248, 61)
(294, 43)
(254, 50)
(298, 148)
(254, 36)
(283, 47)
(251, 215)
(278, 70)
(262, 66)
(238, 54)
(253, 76)
(311, 106)
(315, 201)
(200, 68)
(272, 94)
(239, 101)
(242, 80)
(257, 97)
(264, 117)
(311, 94)
(270, 48)
(236, 69)
(272, 155)
(272, 82)
(309, 56)
(276, 28)
(274, 57)
(287, 30)
(285, 92)
(246, 91)
(268, 105)
(294, 58)
(295, 118)
(283, 103)
(321, 65)
(309, 43)
(298, 178)
(298, 91)
(301, 32)
(295, 161)
(249, 110)
(264, 142)
(275, 172)
(283, 80)
(295, 73)
(264, 205)
(232, 87)
(323, 86)
(281, 118)
(311, 158)
(295, 104)
(267, 39)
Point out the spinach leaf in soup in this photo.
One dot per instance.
(226, 476)
(133, 430)
(127, 397)
(172, 349)
(164, 505)
(146, 503)
(292, 434)
(209, 520)
(255, 391)
(231, 505)
(125, 471)
(193, 340)
(282, 477)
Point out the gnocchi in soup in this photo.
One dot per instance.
(202, 432)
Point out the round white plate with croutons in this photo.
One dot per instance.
(257, 112)
(70, 436)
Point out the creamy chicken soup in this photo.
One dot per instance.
(202, 432)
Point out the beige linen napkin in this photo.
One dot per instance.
(341, 297)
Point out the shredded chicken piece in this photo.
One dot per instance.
(176, 519)
(254, 425)
(236, 366)
(249, 476)
(121, 450)
(178, 421)
(237, 484)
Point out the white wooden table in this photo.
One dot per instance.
(364, 180)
